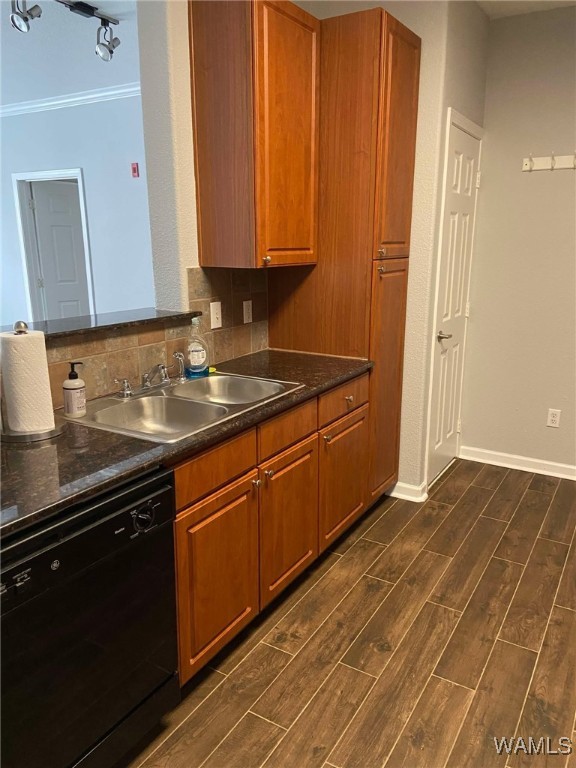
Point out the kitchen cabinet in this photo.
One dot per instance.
(216, 571)
(241, 540)
(368, 112)
(288, 516)
(343, 474)
(389, 289)
(255, 73)
(400, 67)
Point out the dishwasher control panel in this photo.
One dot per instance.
(40, 561)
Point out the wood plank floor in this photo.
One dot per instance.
(427, 632)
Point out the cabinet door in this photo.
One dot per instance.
(400, 69)
(288, 516)
(343, 474)
(286, 121)
(217, 571)
(388, 311)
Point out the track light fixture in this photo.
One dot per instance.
(106, 43)
(21, 16)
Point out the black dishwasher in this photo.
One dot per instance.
(89, 649)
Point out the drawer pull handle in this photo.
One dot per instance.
(349, 398)
(256, 483)
(328, 438)
(269, 473)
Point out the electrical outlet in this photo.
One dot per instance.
(247, 309)
(215, 314)
(553, 417)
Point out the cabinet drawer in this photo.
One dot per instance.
(287, 429)
(342, 400)
(210, 470)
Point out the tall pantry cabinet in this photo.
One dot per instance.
(353, 302)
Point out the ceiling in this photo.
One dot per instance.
(496, 9)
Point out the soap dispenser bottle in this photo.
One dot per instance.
(197, 352)
(74, 394)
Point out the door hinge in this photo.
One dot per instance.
(459, 426)
(31, 204)
(40, 283)
(478, 178)
(467, 310)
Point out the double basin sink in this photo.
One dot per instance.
(166, 414)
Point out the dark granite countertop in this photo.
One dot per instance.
(42, 480)
(109, 321)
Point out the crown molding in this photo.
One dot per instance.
(126, 91)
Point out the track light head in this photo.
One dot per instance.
(106, 44)
(21, 17)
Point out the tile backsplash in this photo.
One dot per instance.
(127, 353)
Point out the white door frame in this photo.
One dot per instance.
(465, 124)
(18, 180)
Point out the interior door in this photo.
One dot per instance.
(461, 168)
(62, 262)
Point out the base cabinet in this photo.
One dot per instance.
(245, 540)
(217, 571)
(388, 312)
(288, 517)
(343, 474)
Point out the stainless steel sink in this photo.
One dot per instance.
(155, 416)
(230, 390)
(169, 413)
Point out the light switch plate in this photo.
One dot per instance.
(215, 314)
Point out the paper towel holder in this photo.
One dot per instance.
(9, 436)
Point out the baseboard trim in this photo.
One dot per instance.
(409, 492)
(526, 463)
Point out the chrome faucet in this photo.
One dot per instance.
(149, 376)
(126, 390)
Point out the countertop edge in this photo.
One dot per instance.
(168, 455)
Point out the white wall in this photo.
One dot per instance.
(56, 57)
(166, 103)
(116, 204)
(521, 352)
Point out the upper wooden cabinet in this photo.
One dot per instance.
(400, 68)
(368, 112)
(255, 112)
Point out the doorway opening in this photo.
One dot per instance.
(54, 243)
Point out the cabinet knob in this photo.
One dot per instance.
(269, 473)
(381, 270)
(267, 259)
(328, 438)
(382, 251)
(256, 483)
(349, 398)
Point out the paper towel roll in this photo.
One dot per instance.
(26, 382)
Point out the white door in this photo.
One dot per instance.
(60, 246)
(461, 179)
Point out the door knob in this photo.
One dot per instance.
(442, 335)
